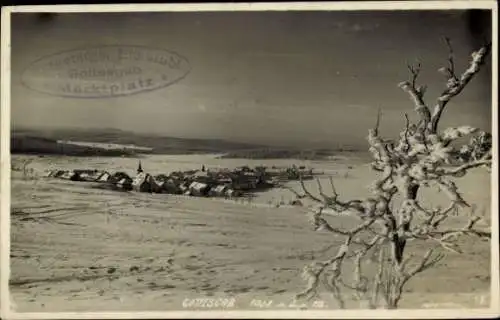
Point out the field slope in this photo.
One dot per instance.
(74, 248)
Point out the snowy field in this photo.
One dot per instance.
(83, 249)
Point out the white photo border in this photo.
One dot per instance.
(6, 311)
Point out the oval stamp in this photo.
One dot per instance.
(105, 71)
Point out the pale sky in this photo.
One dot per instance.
(277, 77)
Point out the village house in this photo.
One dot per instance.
(198, 189)
(144, 182)
(218, 191)
(125, 184)
(103, 177)
(70, 175)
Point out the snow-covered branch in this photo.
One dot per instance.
(462, 169)
(417, 95)
(456, 84)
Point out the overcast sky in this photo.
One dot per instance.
(277, 77)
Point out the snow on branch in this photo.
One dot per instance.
(455, 84)
(417, 94)
(462, 169)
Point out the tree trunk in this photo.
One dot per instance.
(398, 246)
(411, 195)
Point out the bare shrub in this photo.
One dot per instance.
(419, 158)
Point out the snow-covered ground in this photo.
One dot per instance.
(96, 250)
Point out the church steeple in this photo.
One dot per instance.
(139, 169)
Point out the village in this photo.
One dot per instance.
(203, 182)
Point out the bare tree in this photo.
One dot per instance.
(420, 158)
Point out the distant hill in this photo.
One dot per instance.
(46, 141)
(26, 144)
(49, 141)
(286, 153)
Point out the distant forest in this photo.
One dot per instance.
(278, 153)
